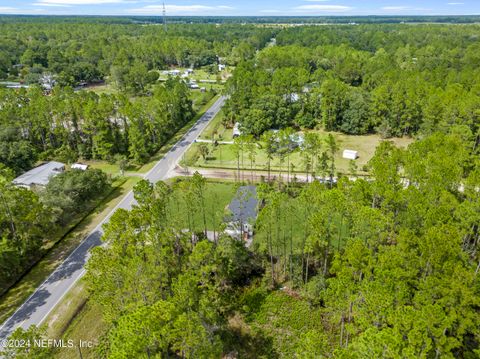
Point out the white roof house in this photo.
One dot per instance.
(350, 154)
(236, 130)
(79, 166)
(39, 176)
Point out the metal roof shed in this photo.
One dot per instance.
(39, 176)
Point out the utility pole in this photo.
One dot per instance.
(164, 17)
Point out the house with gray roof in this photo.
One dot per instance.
(39, 176)
(243, 213)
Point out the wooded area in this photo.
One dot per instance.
(385, 266)
(367, 269)
(396, 80)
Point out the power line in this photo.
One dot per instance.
(164, 17)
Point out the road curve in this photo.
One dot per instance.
(39, 305)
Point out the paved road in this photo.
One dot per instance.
(50, 292)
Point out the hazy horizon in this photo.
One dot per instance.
(246, 8)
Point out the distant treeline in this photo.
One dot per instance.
(77, 49)
(394, 80)
(372, 19)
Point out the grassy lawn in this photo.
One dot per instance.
(202, 74)
(61, 249)
(106, 89)
(216, 130)
(223, 156)
(217, 197)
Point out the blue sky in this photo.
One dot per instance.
(243, 7)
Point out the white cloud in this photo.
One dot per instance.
(78, 2)
(324, 8)
(183, 9)
(395, 8)
(49, 4)
(270, 11)
(407, 9)
(8, 10)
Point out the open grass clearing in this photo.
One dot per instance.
(223, 156)
(217, 196)
(200, 74)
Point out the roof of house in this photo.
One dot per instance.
(40, 175)
(244, 206)
(236, 129)
(79, 166)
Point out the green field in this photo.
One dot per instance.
(217, 197)
(202, 74)
(223, 156)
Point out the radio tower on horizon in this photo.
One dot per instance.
(164, 17)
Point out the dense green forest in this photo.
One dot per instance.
(68, 125)
(396, 80)
(465, 19)
(30, 221)
(61, 123)
(368, 269)
(92, 51)
(385, 266)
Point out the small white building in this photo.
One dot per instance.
(236, 130)
(293, 97)
(171, 72)
(350, 154)
(221, 67)
(79, 166)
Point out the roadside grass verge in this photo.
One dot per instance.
(79, 319)
(216, 130)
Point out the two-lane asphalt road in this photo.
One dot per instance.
(50, 292)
